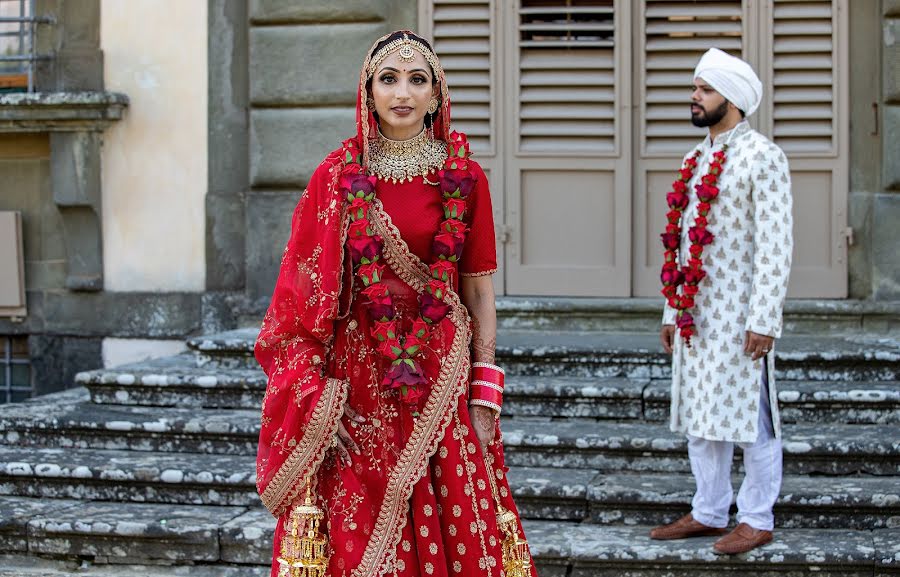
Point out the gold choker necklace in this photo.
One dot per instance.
(402, 160)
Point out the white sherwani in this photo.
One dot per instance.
(715, 386)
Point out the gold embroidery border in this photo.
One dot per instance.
(287, 483)
(381, 550)
(476, 274)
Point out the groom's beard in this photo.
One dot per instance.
(704, 118)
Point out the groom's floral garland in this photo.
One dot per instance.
(404, 349)
(690, 275)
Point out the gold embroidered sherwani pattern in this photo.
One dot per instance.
(715, 386)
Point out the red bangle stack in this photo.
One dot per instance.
(487, 386)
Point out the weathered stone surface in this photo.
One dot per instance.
(275, 52)
(287, 144)
(546, 493)
(636, 356)
(885, 232)
(268, 229)
(108, 475)
(60, 111)
(608, 551)
(887, 552)
(615, 398)
(399, 14)
(248, 538)
(68, 420)
(30, 566)
(606, 315)
(111, 314)
(891, 70)
(836, 449)
(132, 533)
(805, 502)
(810, 401)
(175, 381)
(15, 514)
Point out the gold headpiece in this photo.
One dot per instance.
(405, 46)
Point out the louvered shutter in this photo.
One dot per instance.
(804, 60)
(462, 37)
(568, 171)
(566, 75)
(675, 36)
(804, 90)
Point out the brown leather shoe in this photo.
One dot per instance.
(744, 538)
(684, 528)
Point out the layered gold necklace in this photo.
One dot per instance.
(402, 160)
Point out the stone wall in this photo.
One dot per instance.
(885, 222)
(304, 61)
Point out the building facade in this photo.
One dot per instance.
(577, 110)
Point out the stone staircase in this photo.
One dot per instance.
(148, 469)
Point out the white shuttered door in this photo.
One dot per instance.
(568, 189)
(579, 111)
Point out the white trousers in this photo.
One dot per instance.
(711, 465)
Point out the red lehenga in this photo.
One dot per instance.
(418, 500)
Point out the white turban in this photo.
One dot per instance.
(732, 78)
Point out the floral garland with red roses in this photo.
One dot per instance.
(689, 276)
(405, 349)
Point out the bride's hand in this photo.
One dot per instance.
(484, 421)
(343, 442)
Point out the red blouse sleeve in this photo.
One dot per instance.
(479, 256)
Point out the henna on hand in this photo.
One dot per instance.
(483, 348)
(484, 421)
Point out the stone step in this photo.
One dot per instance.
(33, 566)
(136, 476)
(70, 420)
(856, 502)
(640, 356)
(177, 381)
(110, 532)
(101, 534)
(648, 447)
(582, 550)
(631, 315)
(545, 493)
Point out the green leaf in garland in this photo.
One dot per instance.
(409, 363)
(397, 351)
(412, 350)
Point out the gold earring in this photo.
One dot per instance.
(432, 106)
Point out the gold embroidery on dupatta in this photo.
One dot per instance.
(435, 418)
(309, 453)
(286, 485)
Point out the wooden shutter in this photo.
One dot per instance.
(804, 60)
(566, 75)
(462, 38)
(671, 39)
(675, 35)
(567, 177)
(804, 92)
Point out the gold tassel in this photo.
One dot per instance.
(516, 557)
(304, 556)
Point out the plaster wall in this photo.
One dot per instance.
(155, 159)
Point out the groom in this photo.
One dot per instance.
(728, 255)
